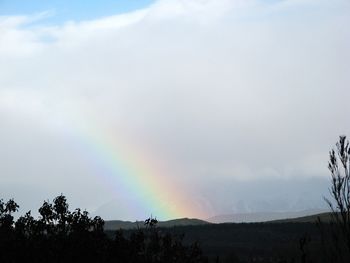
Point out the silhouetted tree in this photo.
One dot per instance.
(339, 166)
(336, 235)
(59, 235)
(6, 211)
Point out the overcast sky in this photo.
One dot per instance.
(239, 101)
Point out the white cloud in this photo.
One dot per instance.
(240, 89)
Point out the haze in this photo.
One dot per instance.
(238, 102)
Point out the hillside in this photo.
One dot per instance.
(325, 217)
(308, 216)
(118, 224)
(262, 216)
(234, 242)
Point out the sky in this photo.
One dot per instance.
(170, 107)
(60, 11)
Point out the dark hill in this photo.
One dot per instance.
(247, 242)
(118, 224)
(324, 217)
(262, 216)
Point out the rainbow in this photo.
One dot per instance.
(131, 172)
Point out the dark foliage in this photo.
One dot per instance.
(60, 235)
(336, 238)
(254, 242)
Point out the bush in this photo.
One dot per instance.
(59, 235)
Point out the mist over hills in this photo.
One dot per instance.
(232, 201)
(248, 201)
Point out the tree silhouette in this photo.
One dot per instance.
(6, 210)
(336, 234)
(339, 166)
(59, 235)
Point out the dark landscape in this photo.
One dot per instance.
(61, 235)
(272, 241)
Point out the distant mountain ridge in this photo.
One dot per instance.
(119, 224)
(271, 217)
(324, 217)
(263, 216)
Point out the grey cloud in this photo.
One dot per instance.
(253, 92)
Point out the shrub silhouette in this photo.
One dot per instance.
(339, 166)
(59, 235)
(336, 233)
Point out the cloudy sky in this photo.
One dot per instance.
(221, 106)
